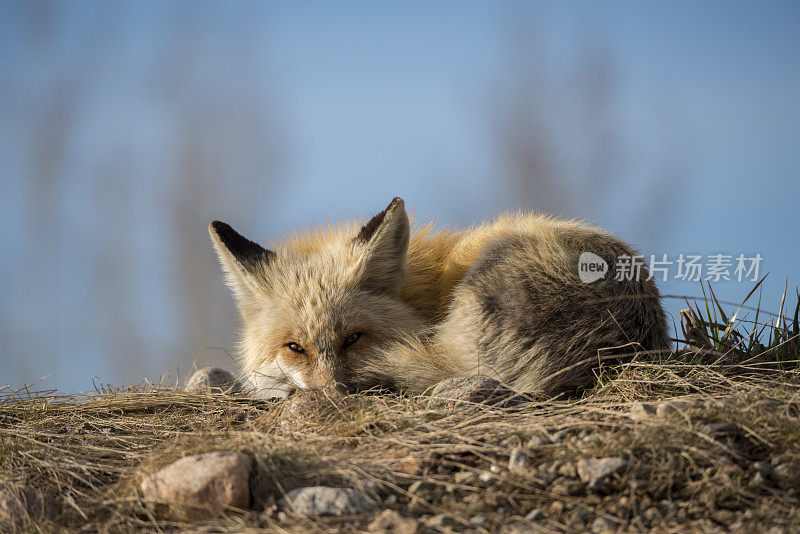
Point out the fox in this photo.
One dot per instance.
(375, 304)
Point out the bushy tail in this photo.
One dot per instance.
(410, 365)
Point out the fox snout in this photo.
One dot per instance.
(327, 373)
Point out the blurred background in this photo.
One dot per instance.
(126, 127)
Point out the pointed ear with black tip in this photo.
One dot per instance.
(243, 261)
(385, 241)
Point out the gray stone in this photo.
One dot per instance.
(324, 500)
(481, 521)
(518, 461)
(602, 525)
(580, 516)
(212, 380)
(786, 475)
(666, 507)
(23, 506)
(442, 521)
(534, 515)
(641, 411)
(201, 486)
(466, 390)
(599, 469)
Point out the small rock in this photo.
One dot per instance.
(23, 506)
(599, 469)
(324, 500)
(440, 521)
(481, 521)
(391, 521)
(518, 461)
(534, 515)
(466, 390)
(602, 525)
(580, 516)
(213, 380)
(485, 477)
(666, 507)
(201, 486)
(641, 411)
(786, 476)
(672, 408)
(567, 470)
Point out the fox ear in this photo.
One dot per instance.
(385, 238)
(243, 261)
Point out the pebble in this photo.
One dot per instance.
(599, 469)
(212, 380)
(518, 461)
(602, 525)
(786, 475)
(200, 487)
(325, 500)
(534, 515)
(481, 521)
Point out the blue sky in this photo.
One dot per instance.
(373, 100)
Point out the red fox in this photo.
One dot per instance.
(382, 306)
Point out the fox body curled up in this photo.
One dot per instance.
(380, 305)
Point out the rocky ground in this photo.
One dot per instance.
(654, 447)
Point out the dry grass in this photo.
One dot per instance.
(86, 454)
(89, 452)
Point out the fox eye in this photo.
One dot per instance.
(351, 338)
(294, 347)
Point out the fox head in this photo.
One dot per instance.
(316, 309)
